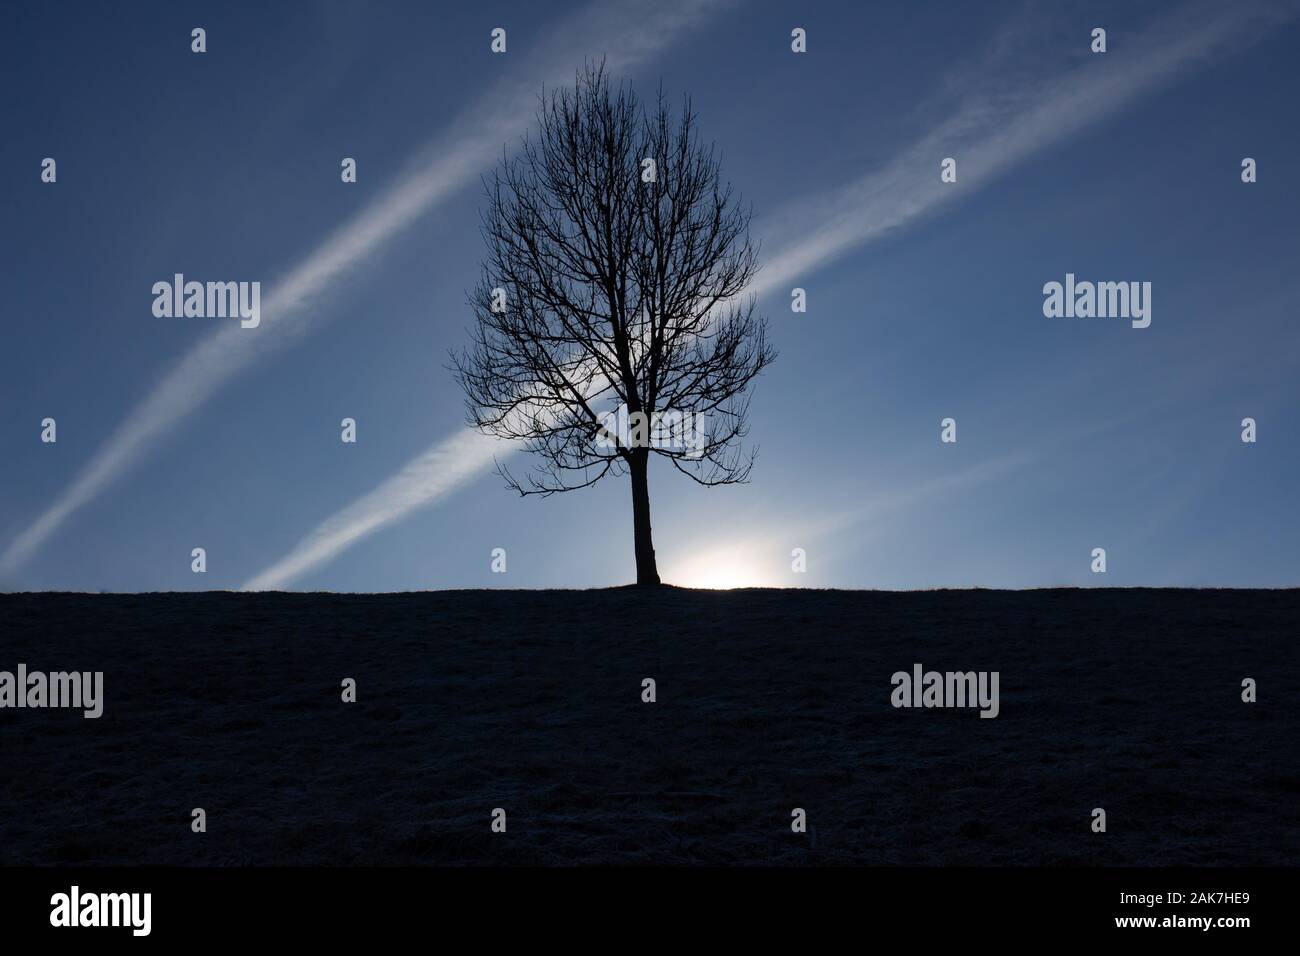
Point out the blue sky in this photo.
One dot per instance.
(924, 298)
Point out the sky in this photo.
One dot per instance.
(924, 298)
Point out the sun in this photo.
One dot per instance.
(721, 570)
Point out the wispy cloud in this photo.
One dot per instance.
(1008, 108)
(1003, 114)
(626, 33)
(432, 475)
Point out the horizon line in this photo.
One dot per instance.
(681, 587)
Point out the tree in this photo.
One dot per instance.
(615, 256)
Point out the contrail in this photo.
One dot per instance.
(626, 33)
(433, 474)
(1000, 121)
(437, 472)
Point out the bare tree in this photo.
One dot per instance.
(614, 258)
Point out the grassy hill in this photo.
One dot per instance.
(767, 700)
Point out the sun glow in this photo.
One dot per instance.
(723, 569)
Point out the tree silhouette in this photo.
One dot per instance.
(615, 254)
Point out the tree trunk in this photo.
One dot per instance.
(647, 573)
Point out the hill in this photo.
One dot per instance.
(766, 701)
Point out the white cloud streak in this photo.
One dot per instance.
(432, 475)
(1006, 112)
(626, 33)
(1002, 117)
(437, 472)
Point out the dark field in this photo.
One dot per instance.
(767, 700)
